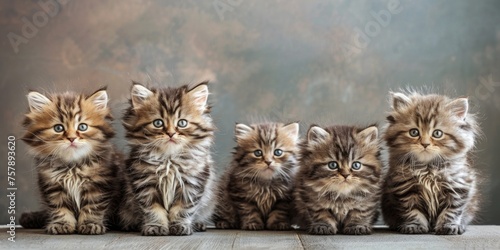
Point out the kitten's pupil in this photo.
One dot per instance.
(158, 123)
(59, 128)
(356, 165)
(182, 123)
(258, 153)
(414, 132)
(333, 165)
(278, 152)
(437, 133)
(83, 127)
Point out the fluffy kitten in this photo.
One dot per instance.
(69, 135)
(431, 183)
(169, 170)
(338, 186)
(255, 192)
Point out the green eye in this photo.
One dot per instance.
(278, 152)
(83, 126)
(356, 165)
(333, 165)
(182, 123)
(257, 153)
(59, 128)
(158, 123)
(437, 133)
(414, 132)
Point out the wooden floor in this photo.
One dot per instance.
(477, 237)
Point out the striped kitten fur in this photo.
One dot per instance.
(431, 183)
(339, 183)
(170, 170)
(256, 191)
(69, 135)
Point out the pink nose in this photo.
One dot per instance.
(71, 139)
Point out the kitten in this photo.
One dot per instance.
(255, 192)
(69, 135)
(339, 183)
(431, 183)
(170, 170)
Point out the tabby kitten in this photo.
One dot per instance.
(431, 183)
(169, 170)
(256, 191)
(69, 135)
(338, 186)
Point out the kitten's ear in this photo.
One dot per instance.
(99, 99)
(291, 130)
(369, 135)
(399, 100)
(37, 101)
(241, 130)
(459, 107)
(199, 96)
(317, 134)
(139, 94)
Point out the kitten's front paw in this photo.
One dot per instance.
(280, 226)
(91, 228)
(450, 229)
(60, 228)
(358, 230)
(154, 230)
(199, 227)
(413, 229)
(322, 229)
(180, 229)
(222, 224)
(252, 226)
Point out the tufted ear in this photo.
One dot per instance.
(368, 135)
(242, 131)
(399, 101)
(317, 135)
(291, 130)
(459, 107)
(139, 94)
(99, 99)
(37, 101)
(199, 96)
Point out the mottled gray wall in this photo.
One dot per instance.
(281, 60)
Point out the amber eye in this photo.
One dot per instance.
(158, 123)
(278, 152)
(437, 133)
(257, 153)
(59, 128)
(356, 165)
(333, 165)
(83, 127)
(414, 132)
(182, 123)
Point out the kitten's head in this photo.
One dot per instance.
(67, 126)
(427, 128)
(169, 120)
(341, 160)
(266, 151)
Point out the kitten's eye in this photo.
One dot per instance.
(59, 128)
(356, 165)
(257, 153)
(414, 132)
(83, 126)
(158, 123)
(182, 123)
(278, 152)
(333, 165)
(437, 133)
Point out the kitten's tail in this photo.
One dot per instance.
(34, 220)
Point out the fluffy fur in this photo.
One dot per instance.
(170, 169)
(69, 135)
(431, 183)
(338, 186)
(255, 192)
